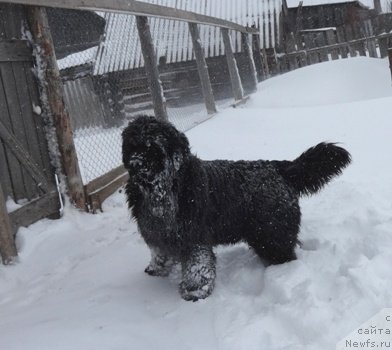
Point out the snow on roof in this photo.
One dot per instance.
(121, 48)
(78, 58)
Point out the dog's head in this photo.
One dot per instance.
(152, 147)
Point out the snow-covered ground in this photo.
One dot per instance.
(80, 283)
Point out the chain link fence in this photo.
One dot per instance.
(106, 86)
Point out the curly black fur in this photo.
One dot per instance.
(185, 206)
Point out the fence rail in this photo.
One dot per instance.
(137, 8)
(366, 38)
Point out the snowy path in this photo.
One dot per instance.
(80, 281)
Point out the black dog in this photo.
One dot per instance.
(185, 206)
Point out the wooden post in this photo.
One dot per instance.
(290, 48)
(202, 69)
(371, 43)
(349, 37)
(320, 42)
(266, 63)
(151, 68)
(383, 45)
(331, 40)
(257, 57)
(251, 63)
(312, 57)
(52, 93)
(341, 39)
(236, 84)
(8, 251)
(390, 59)
(377, 6)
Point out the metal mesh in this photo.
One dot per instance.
(106, 86)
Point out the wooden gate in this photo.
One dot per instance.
(26, 173)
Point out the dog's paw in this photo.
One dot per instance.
(195, 293)
(158, 272)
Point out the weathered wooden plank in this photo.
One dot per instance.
(309, 44)
(2, 21)
(251, 63)
(202, 69)
(236, 84)
(266, 65)
(390, 60)
(103, 180)
(24, 158)
(383, 45)
(151, 67)
(258, 58)
(291, 47)
(15, 50)
(52, 87)
(8, 251)
(360, 33)
(104, 186)
(40, 128)
(8, 99)
(331, 40)
(320, 42)
(301, 58)
(5, 179)
(350, 39)
(96, 198)
(137, 8)
(340, 33)
(35, 210)
(30, 140)
(370, 43)
(13, 20)
(15, 122)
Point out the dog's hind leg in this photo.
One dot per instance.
(198, 274)
(160, 264)
(275, 246)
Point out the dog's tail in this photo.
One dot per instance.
(314, 168)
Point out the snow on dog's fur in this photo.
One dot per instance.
(185, 206)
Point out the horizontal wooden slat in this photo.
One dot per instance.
(102, 187)
(137, 8)
(15, 51)
(103, 180)
(35, 210)
(96, 198)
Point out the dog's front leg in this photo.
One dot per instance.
(198, 274)
(160, 264)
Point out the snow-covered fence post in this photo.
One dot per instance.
(233, 70)
(202, 69)
(7, 244)
(151, 67)
(52, 97)
(251, 63)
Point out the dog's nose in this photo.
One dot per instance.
(135, 161)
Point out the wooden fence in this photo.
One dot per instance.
(52, 96)
(367, 38)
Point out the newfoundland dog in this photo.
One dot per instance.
(184, 206)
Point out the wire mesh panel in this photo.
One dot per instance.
(106, 86)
